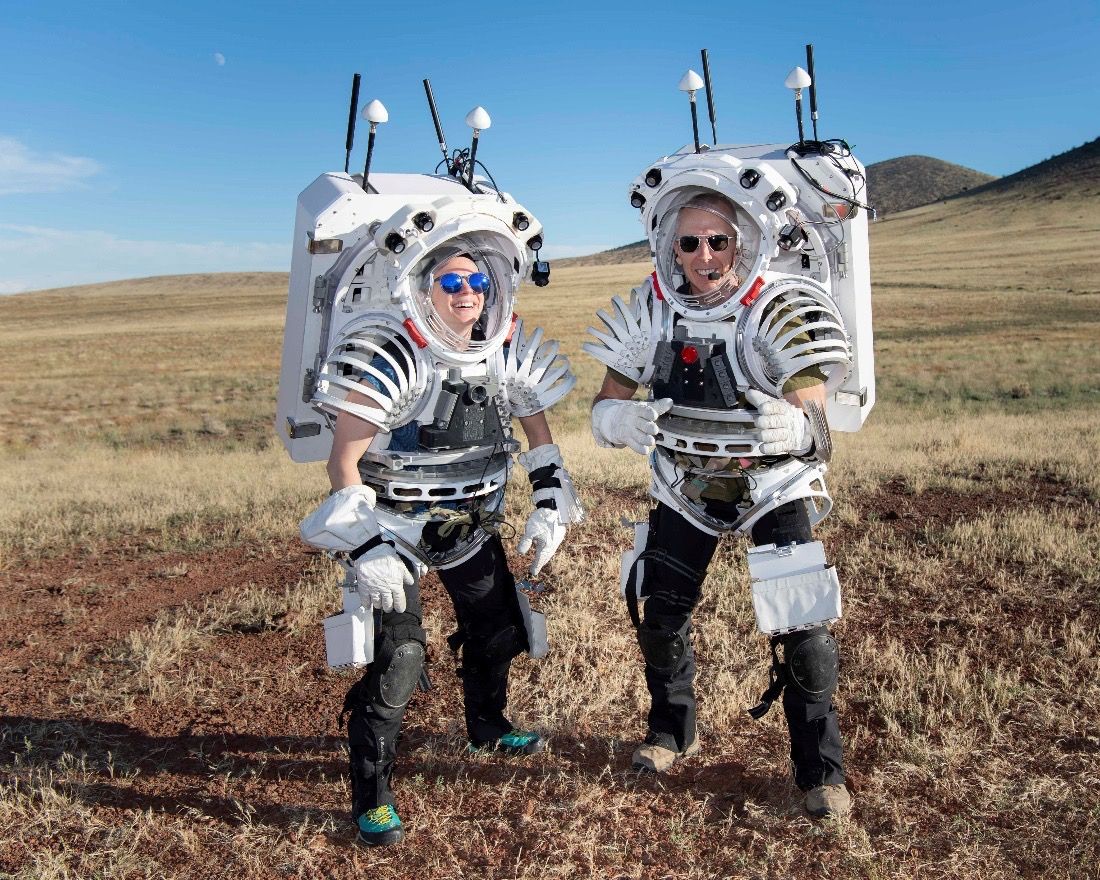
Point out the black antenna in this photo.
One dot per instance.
(353, 110)
(375, 113)
(813, 85)
(710, 96)
(435, 119)
(691, 83)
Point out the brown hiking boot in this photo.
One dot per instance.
(828, 802)
(658, 752)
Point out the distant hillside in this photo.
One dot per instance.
(1074, 173)
(910, 181)
(635, 252)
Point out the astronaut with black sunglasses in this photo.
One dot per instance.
(755, 321)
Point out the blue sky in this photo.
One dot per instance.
(157, 138)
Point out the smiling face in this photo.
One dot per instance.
(461, 310)
(705, 268)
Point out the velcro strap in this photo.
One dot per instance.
(543, 477)
(548, 503)
(369, 545)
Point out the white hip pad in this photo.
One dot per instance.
(792, 588)
(349, 636)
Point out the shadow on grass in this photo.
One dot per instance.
(184, 770)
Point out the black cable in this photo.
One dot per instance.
(831, 149)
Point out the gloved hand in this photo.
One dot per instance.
(783, 427)
(381, 578)
(545, 531)
(630, 423)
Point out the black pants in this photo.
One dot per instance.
(673, 591)
(491, 632)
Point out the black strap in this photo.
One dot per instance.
(543, 477)
(368, 546)
(777, 678)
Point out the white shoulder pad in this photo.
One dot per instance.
(535, 376)
(383, 354)
(628, 342)
(794, 325)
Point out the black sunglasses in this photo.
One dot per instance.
(690, 243)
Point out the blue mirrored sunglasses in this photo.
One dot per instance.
(452, 282)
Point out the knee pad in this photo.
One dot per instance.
(482, 653)
(663, 648)
(399, 658)
(813, 664)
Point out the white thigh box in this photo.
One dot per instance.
(349, 636)
(792, 588)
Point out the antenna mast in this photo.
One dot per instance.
(353, 110)
(438, 128)
(710, 96)
(813, 85)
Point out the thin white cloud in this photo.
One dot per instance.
(219, 59)
(35, 257)
(24, 171)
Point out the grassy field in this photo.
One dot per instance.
(167, 711)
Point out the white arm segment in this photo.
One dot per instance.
(345, 520)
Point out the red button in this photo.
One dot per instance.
(689, 354)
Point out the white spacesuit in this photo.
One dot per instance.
(753, 336)
(402, 350)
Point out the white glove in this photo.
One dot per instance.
(630, 423)
(545, 531)
(783, 427)
(381, 577)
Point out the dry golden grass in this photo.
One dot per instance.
(202, 741)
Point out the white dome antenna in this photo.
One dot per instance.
(797, 80)
(375, 113)
(691, 82)
(478, 119)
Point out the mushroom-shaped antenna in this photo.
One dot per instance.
(690, 82)
(478, 119)
(376, 112)
(797, 79)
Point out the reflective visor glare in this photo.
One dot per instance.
(451, 282)
(690, 243)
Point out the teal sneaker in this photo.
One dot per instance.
(380, 827)
(515, 742)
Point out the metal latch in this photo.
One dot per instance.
(297, 430)
(320, 293)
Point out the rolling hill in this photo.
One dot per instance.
(911, 181)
